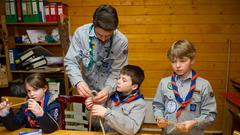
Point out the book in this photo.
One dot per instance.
(47, 12)
(61, 9)
(25, 56)
(36, 16)
(30, 61)
(19, 11)
(42, 11)
(24, 11)
(29, 11)
(40, 63)
(13, 55)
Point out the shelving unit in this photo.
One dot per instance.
(57, 48)
(4, 64)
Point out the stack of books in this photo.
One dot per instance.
(30, 59)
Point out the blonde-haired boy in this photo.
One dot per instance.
(184, 102)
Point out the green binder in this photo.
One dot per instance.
(29, 11)
(36, 16)
(24, 11)
(11, 13)
(7, 10)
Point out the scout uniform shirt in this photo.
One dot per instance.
(124, 117)
(202, 108)
(101, 63)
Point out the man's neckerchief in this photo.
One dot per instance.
(118, 97)
(188, 98)
(31, 118)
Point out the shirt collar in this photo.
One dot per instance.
(92, 31)
(187, 78)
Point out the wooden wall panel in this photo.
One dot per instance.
(153, 25)
(162, 9)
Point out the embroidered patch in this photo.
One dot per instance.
(193, 107)
(169, 86)
(55, 114)
(171, 106)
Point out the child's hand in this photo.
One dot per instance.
(35, 108)
(161, 122)
(4, 108)
(89, 103)
(185, 126)
(98, 110)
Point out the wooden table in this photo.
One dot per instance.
(4, 131)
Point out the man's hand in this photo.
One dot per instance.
(35, 108)
(98, 110)
(185, 126)
(101, 97)
(89, 103)
(161, 122)
(83, 89)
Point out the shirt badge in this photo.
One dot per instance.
(171, 106)
(169, 86)
(193, 107)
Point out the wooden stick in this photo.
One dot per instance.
(14, 105)
(18, 104)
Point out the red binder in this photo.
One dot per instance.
(53, 12)
(62, 9)
(19, 11)
(47, 12)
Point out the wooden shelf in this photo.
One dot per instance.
(33, 23)
(57, 49)
(42, 70)
(3, 85)
(42, 44)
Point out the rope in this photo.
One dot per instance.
(94, 93)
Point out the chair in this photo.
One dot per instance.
(73, 115)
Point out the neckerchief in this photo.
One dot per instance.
(31, 118)
(118, 98)
(188, 98)
(91, 47)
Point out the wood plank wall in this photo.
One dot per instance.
(152, 25)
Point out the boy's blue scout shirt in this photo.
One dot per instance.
(202, 108)
(98, 76)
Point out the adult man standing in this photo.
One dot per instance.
(97, 53)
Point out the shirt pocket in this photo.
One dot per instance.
(196, 98)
